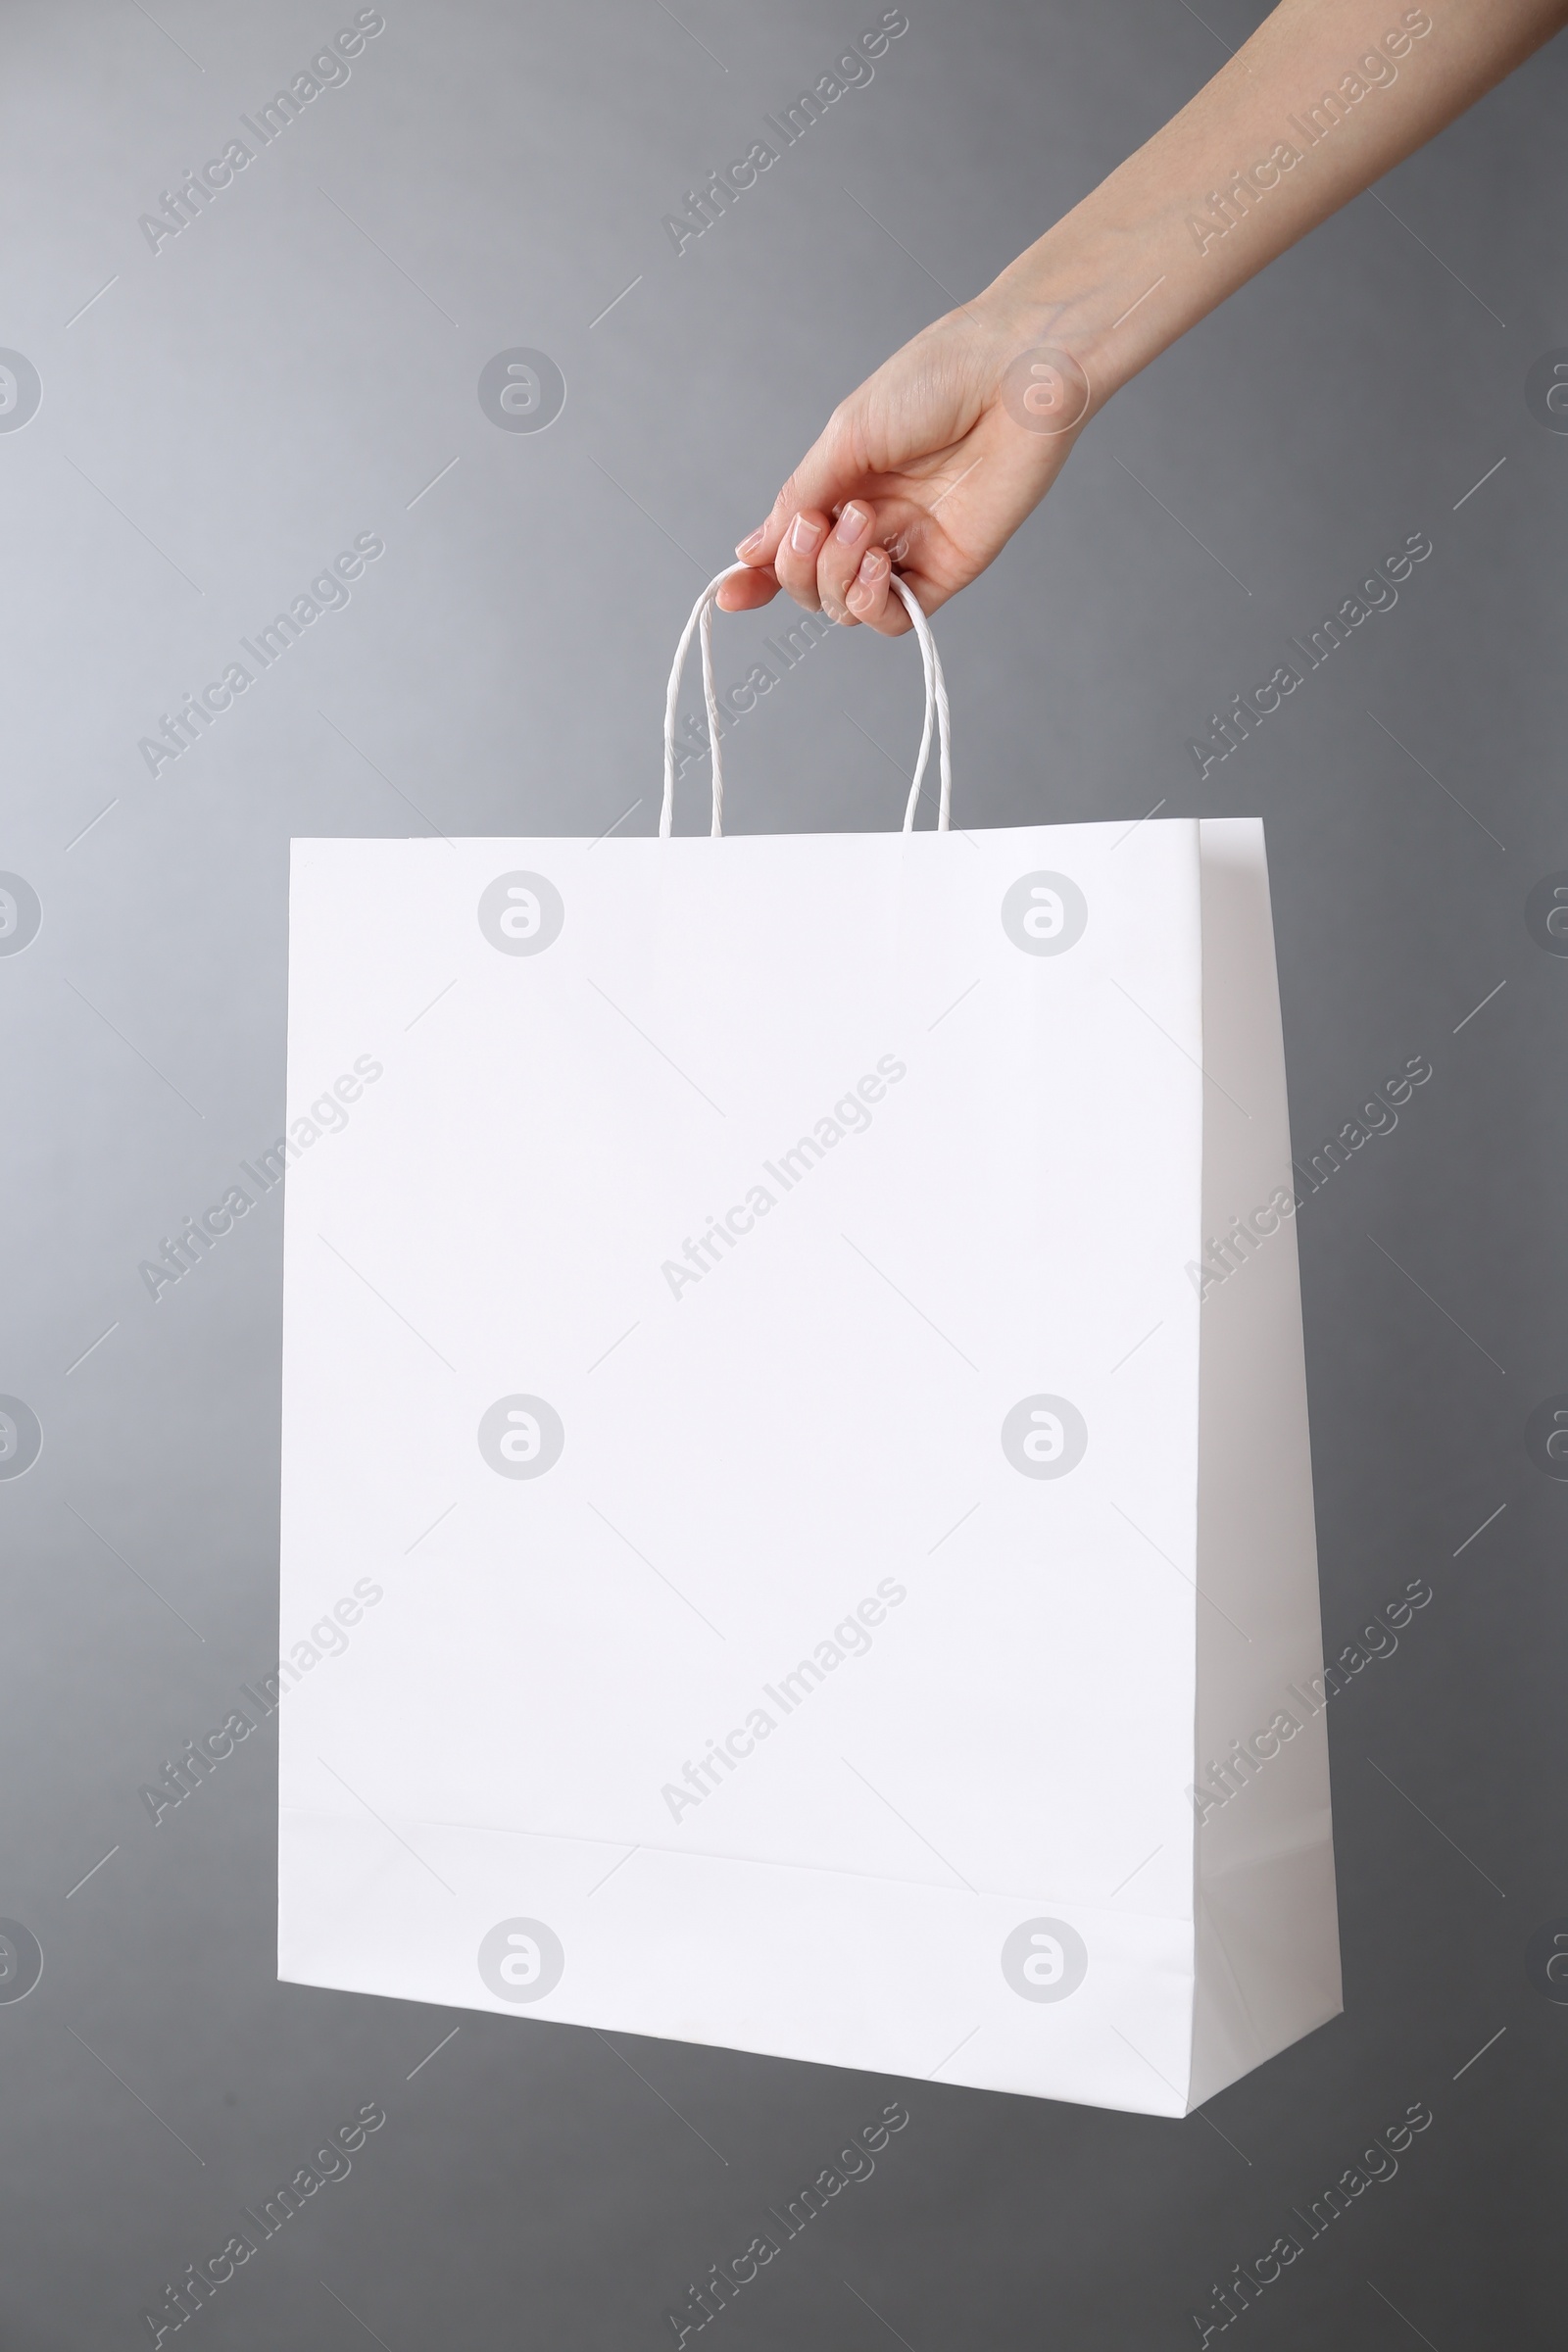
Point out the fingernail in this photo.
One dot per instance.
(805, 534)
(873, 563)
(749, 546)
(851, 523)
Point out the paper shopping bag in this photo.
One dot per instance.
(788, 1541)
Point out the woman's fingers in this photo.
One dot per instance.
(870, 598)
(840, 557)
(840, 567)
(795, 560)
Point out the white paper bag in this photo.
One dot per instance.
(775, 1553)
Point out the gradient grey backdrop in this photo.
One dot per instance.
(295, 368)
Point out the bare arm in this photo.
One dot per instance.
(938, 457)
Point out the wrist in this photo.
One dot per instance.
(1104, 297)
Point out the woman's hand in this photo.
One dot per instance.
(931, 466)
(933, 463)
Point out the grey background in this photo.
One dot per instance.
(215, 427)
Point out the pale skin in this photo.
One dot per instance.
(938, 457)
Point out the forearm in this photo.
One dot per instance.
(924, 469)
(1325, 97)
